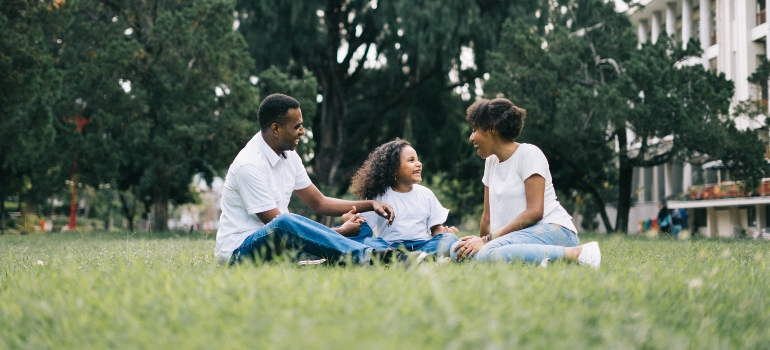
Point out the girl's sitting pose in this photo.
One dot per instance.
(391, 175)
(522, 220)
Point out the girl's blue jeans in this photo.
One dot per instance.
(438, 244)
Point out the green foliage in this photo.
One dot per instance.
(586, 88)
(382, 70)
(190, 106)
(30, 84)
(117, 290)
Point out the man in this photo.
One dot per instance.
(255, 218)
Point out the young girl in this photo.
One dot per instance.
(391, 175)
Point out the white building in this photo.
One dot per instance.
(733, 36)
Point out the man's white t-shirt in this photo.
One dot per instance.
(257, 181)
(507, 197)
(416, 212)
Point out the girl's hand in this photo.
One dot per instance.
(468, 246)
(351, 226)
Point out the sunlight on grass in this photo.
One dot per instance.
(113, 291)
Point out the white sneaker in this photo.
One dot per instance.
(420, 258)
(311, 262)
(590, 255)
(544, 263)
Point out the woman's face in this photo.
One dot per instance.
(483, 140)
(410, 170)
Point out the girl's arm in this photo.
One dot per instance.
(534, 189)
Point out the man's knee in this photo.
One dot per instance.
(286, 219)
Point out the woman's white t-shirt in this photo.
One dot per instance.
(416, 212)
(507, 197)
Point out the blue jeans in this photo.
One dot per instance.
(438, 244)
(297, 232)
(532, 244)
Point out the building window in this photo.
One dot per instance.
(751, 216)
(700, 217)
(761, 12)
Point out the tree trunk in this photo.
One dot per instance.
(2, 210)
(160, 203)
(602, 209)
(108, 215)
(625, 178)
(127, 212)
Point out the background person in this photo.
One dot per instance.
(664, 218)
(522, 220)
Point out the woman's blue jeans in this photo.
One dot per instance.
(532, 244)
(438, 244)
(296, 232)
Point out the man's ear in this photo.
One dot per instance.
(274, 129)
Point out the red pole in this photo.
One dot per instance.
(73, 203)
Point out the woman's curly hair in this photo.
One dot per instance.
(379, 170)
(499, 114)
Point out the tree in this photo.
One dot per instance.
(28, 85)
(375, 63)
(165, 86)
(568, 97)
(587, 88)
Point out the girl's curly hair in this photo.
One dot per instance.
(379, 170)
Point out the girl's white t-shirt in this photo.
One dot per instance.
(416, 212)
(507, 197)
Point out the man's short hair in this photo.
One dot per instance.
(499, 114)
(274, 109)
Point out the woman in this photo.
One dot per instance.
(522, 220)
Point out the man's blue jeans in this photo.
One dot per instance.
(296, 232)
(532, 244)
(438, 245)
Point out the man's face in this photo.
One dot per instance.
(289, 133)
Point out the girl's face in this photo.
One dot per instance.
(410, 170)
(483, 140)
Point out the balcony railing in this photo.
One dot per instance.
(761, 17)
(727, 189)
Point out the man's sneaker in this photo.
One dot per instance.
(311, 262)
(590, 255)
(544, 263)
(393, 256)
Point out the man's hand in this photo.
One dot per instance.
(384, 210)
(468, 246)
(352, 226)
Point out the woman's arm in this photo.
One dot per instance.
(534, 189)
(484, 223)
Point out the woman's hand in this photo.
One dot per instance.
(468, 246)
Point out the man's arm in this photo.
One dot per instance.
(267, 216)
(323, 205)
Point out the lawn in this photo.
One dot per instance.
(109, 290)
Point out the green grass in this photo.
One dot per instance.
(97, 291)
